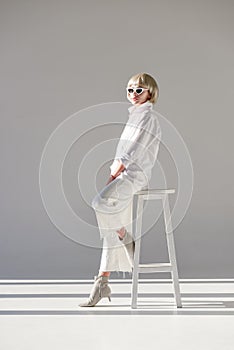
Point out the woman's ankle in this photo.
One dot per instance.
(104, 273)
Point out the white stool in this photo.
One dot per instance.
(150, 194)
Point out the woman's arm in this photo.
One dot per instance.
(144, 134)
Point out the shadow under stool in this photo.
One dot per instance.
(171, 266)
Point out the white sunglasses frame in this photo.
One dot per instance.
(134, 90)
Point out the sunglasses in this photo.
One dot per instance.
(138, 90)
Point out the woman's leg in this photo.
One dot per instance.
(113, 207)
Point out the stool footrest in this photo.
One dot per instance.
(155, 267)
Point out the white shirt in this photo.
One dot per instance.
(139, 143)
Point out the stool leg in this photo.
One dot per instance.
(136, 260)
(171, 251)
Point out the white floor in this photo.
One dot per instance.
(45, 315)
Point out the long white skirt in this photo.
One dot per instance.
(113, 206)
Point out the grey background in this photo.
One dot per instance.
(58, 57)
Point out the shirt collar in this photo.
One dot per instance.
(142, 107)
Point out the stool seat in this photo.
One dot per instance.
(171, 266)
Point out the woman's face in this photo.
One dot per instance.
(137, 99)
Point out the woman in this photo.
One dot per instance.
(130, 172)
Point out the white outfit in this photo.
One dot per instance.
(137, 149)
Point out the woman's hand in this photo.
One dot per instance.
(118, 171)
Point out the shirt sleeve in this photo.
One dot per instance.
(142, 135)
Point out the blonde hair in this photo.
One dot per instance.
(145, 80)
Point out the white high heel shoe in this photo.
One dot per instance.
(100, 290)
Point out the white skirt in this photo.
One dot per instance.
(113, 206)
